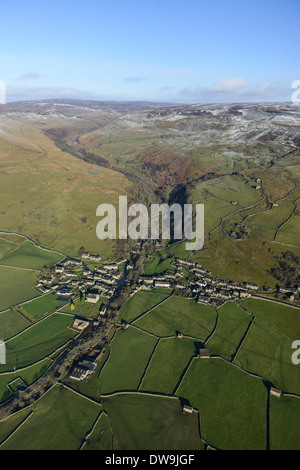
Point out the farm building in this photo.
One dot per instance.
(187, 409)
(79, 373)
(275, 392)
(93, 298)
(80, 324)
(203, 353)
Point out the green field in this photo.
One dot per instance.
(6, 247)
(282, 317)
(42, 305)
(232, 325)
(101, 437)
(179, 314)
(284, 423)
(11, 323)
(84, 309)
(170, 359)
(229, 260)
(130, 352)
(138, 304)
(60, 421)
(60, 195)
(31, 257)
(232, 405)
(158, 265)
(267, 353)
(162, 259)
(266, 224)
(289, 233)
(37, 342)
(142, 422)
(8, 425)
(218, 195)
(17, 286)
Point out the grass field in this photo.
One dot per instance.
(138, 304)
(218, 195)
(37, 342)
(8, 425)
(60, 421)
(266, 224)
(268, 353)
(17, 286)
(284, 423)
(232, 405)
(282, 317)
(142, 422)
(222, 256)
(32, 257)
(84, 309)
(170, 359)
(11, 323)
(101, 437)
(130, 352)
(179, 314)
(158, 265)
(289, 232)
(42, 305)
(6, 247)
(43, 187)
(231, 327)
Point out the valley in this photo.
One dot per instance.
(191, 339)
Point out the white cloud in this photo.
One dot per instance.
(229, 85)
(237, 90)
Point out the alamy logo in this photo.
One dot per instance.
(296, 94)
(2, 352)
(160, 215)
(2, 92)
(296, 354)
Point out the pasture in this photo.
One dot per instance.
(129, 355)
(231, 327)
(60, 421)
(101, 437)
(267, 353)
(17, 285)
(284, 423)
(56, 191)
(11, 323)
(38, 341)
(179, 314)
(30, 256)
(42, 305)
(283, 317)
(138, 304)
(142, 422)
(232, 404)
(167, 364)
(8, 425)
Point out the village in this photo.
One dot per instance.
(72, 277)
(97, 282)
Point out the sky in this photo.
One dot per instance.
(181, 51)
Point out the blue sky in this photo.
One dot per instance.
(156, 50)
